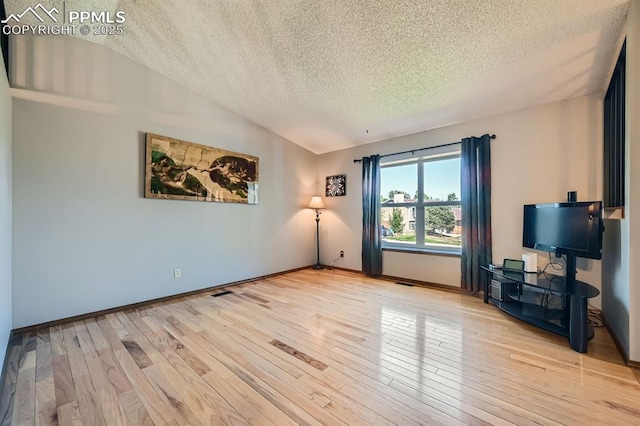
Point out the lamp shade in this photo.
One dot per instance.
(316, 203)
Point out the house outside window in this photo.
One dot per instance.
(420, 203)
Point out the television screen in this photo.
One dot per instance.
(564, 228)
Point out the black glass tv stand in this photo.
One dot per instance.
(547, 301)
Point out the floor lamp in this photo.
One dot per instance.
(316, 203)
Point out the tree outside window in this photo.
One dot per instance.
(397, 221)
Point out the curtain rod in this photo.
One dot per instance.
(420, 149)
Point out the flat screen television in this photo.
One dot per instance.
(564, 228)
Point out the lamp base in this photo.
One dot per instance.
(318, 266)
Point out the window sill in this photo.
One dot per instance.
(614, 213)
(428, 251)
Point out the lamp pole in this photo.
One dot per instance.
(317, 204)
(318, 265)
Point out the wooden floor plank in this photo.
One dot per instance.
(162, 385)
(42, 336)
(272, 372)
(44, 367)
(300, 355)
(64, 387)
(88, 400)
(254, 337)
(97, 337)
(114, 372)
(293, 404)
(314, 347)
(112, 410)
(8, 387)
(105, 392)
(134, 409)
(151, 402)
(77, 363)
(207, 404)
(46, 412)
(25, 396)
(69, 414)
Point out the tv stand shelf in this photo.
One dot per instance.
(550, 302)
(516, 310)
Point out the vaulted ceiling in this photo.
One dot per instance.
(331, 74)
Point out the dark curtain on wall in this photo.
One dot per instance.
(371, 222)
(475, 185)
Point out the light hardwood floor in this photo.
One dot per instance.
(314, 347)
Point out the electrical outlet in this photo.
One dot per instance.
(341, 253)
(177, 273)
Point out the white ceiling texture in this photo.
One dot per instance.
(332, 74)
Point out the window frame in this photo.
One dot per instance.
(419, 205)
(614, 139)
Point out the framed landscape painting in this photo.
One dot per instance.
(181, 170)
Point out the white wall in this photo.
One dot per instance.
(621, 269)
(538, 156)
(632, 178)
(5, 214)
(615, 279)
(85, 239)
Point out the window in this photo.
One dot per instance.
(420, 203)
(614, 113)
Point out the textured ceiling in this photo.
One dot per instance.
(322, 73)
